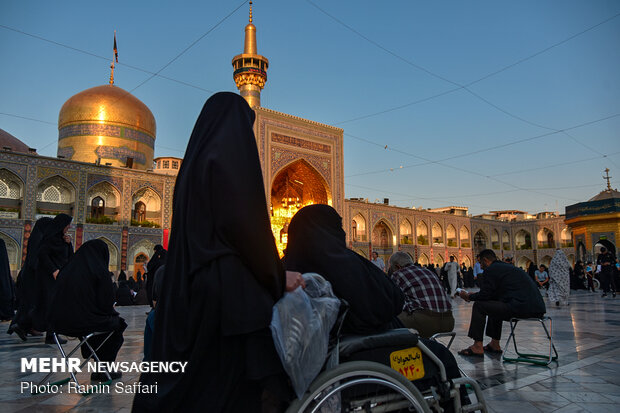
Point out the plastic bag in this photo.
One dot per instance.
(300, 327)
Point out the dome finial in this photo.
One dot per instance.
(115, 58)
(250, 11)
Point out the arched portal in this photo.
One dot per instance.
(358, 229)
(139, 264)
(523, 262)
(422, 231)
(523, 240)
(480, 241)
(295, 186)
(423, 259)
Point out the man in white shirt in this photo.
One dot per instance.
(452, 268)
(378, 261)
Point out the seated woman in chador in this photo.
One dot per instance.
(83, 302)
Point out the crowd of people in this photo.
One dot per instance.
(213, 291)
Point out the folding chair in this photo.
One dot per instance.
(539, 359)
(93, 355)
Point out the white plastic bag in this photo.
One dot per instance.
(300, 327)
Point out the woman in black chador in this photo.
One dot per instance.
(157, 260)
(84, 300)
(54, 253)
(222, 274)
(123, 293)
(316, 243)
(27, 290)
(7, 286)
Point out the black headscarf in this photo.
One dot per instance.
(84, 299)
(54, 252)
(27, 290)
(316, 243)
(222, 273)
(157, 260)
(7, 286)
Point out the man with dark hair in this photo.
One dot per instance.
(507, 292)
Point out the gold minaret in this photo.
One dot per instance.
(250, 68)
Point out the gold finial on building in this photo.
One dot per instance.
(250, 68)
(607, 177)
(115, 58)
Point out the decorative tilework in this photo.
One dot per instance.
(71, 176)
(96, 129)
(136, 185)
(18, 169)
(120, 153)
(66, 152)
(300, 143)
(280, 158)
(113, 236)
(94, 179)
(389, 218)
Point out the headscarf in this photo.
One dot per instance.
(7, 286)
(219, 209)
(53, 244)
(222, 268)
(84, 299)
(316, 243)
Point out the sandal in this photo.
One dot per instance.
(489, 349)
(469, 352)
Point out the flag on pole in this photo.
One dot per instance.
(115, 49)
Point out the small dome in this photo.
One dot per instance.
(606, 194)
(109, 104)
(9, 141)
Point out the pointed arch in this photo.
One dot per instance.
(13, 251)
(358, 228)
(382, 235)
(523, 262)
(523, 240)
(566, 238)
(451, 236)
(145, 247)
(505, 240)
(545, 260)
(480, 240)
(55, 195)
(437, 233)
(115, 257)
(423, 259)
(406, 230)
(467, 261)
(438, 258)
(464, 237)
(545, 238)
(11, 193)
(146, 206)
(494, 239)
(422, 233)
(294, 186)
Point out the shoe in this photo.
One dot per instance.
(604, 295)
(21, 333)
(35, 333)
(469, 352)
(489, 349)
(613, 295)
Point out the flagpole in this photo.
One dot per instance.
(114, 57)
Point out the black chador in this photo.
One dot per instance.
(27, 288)
(7, 286)
(54, 253)
(83, 301)
(316, 243)
(222, 274)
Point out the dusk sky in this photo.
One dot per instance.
(486, 104)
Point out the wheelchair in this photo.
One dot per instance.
(389, 372)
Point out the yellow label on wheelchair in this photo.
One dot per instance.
(408, 362)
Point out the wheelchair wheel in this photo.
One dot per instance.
(597, 284)
(360, 386)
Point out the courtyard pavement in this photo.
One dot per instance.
(586, 377)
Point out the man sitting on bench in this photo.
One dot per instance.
(507, 292)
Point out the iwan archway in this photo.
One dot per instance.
(294, 187)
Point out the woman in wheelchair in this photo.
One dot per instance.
(83, 302)
(370, 328)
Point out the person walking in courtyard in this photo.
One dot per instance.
(452, 270)
(559, 278)
(607, 260)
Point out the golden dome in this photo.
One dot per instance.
(107, 125)
(110, 104)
